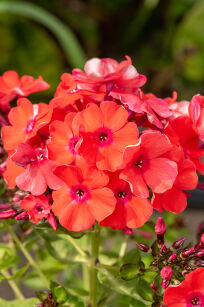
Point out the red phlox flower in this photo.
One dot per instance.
(105, 134)
(107, 75)
(37, 208)
(69, 95)
(12, 86)
(196, 111)
(84, 197)
(130, 211)
(25, 119)
(38, 170)
(175, 199)
(179, 109)
(145, 165)
(182, 134)
(61, 147)
(12, 171)
(189, 293)
(153, 108)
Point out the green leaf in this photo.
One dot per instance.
(59, 292)
(31, 302)
(66, 38)
(20, 272)
(8, 259)
(129, 271)
(144, 290)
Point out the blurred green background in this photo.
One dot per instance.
(165, 39)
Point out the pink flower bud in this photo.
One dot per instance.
(155, 262)
(165, 283)
(166, 273)
(127, 231)
(187, 252)
(52, 220)
(153, 287)
(177, 244)
(163, 248)
(200, 253)
(173, 257)
(5, 206)
(199, 263)
(202, 239)
(16, 198)
(200, 186)
(160, 227)
(22, 216)
(143, 247)
(7, 214)
(198, 246)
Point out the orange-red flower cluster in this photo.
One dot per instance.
(107, 151)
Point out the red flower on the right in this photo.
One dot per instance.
(189, 293)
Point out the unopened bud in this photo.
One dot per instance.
(202, 239)
(52, 220)
(166, 273)
(5, 206)
(153, 287)
(7, 214)
(198, 246)
(155, 262)
(163, 249)
(179, 243)
(16, 198)
(173, 257)
(200, 186)
(127, 231)
(143, 247)
(160, 227)
(165, 283)
(22, 216)
(187, 252)
(200, 253)
(199, 263)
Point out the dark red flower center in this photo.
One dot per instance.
(195, 301)
(41, 154)
(79, 193)
(139, 163)
(104, 136)
(30, 126)
(122, 194)
(39, 208)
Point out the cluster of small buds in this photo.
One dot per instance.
(48, 300)
(176, 261)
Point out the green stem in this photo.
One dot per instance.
(123, 248)
(75, 245)
(13, 285)
(85, 269)
(27, 254)
(95, 241)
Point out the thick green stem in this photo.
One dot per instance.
(13, 285)
(27, 254)
(95, 241)
(85, 268)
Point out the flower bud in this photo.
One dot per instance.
(155, 262)
(153, 287)
(163, 249)
(5, 206)
(202, 239)
(143, 247)
(160, 227)
(22, 216)
(200, 186)
(166, 273)
(177, 244)
(199, 263)
(187, 252)
(16, 198)
(198, 246)
(200, 253)
(127, 231)
(7, 214)
(173, 257)
(52, 220)
(165, 283)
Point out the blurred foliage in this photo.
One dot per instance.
(164, 38)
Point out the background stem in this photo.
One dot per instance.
(95, 241)
(13, 285)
